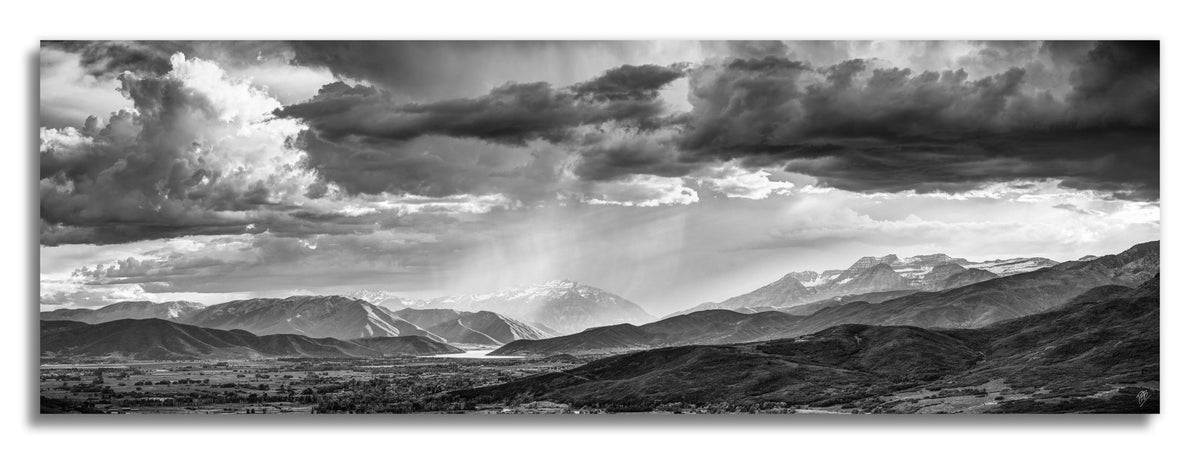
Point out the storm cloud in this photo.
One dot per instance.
(514, 139)
(514, 113)
(889, 129)
(1084, 113)
(427, 71)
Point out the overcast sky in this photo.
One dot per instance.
(671, 173)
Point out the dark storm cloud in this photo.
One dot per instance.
(427, 71)
(602, 158)
(363, 139)
(114, 57)
(891, 129)
(1118, 86)
(858, 124)
(514, 113)
(745, 105)
(628, 82)
(745, 49)
(1100, 160)
(431, 166)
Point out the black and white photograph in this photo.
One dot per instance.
(536, 226)
(597, 227)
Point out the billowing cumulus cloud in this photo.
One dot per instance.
(195, 154)
(198, 153)
(641, 191)
(733, 181)
(264, 64)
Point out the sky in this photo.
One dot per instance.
(671, 173)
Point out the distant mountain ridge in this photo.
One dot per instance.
(320, 316)
(930, 272)
(156, 339)
(171, 310)
(562, 306)
(971, 306)
(381, 298)
(483, 327)
(1003, 298)
(1090, 355)
(314, 316)
(706, 327)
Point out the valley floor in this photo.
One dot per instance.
(275, 386)
(419, 385)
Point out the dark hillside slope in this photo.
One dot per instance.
(814, 370)
(1092, 355)
(172, 310)
(705, 327)
(983, 303)
(970, 306)
(154, 339)
(313, 316)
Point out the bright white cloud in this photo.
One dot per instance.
(68, 94)
(1017, 218)
(288, 83)
(736, 182)
(642, 191)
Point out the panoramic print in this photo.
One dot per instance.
(574, 227)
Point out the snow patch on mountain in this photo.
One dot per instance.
(931, 272)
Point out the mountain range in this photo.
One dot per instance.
(970, 306)
(483, 327)
(381, 298)
(320, 316)
(155, 339)
(979, 298)
(172, 310)
(314, 316)
(558, 306)
(932, 272)
(1092, 354)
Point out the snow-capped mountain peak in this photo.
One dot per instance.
(382, 298)
(562, 305)
(887, 273)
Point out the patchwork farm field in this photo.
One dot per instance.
(393, 385)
